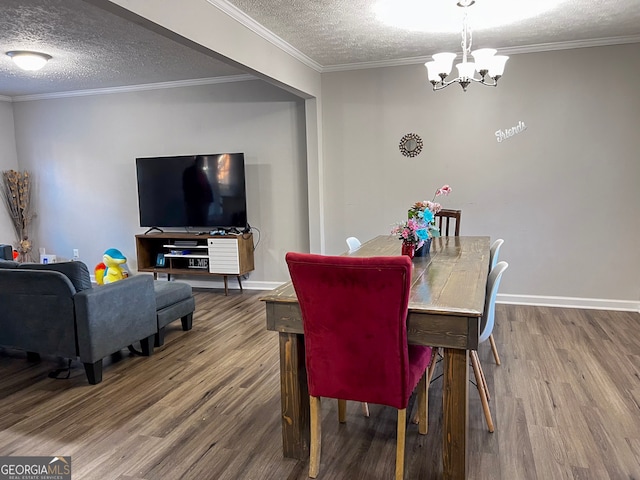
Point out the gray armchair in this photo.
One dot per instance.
(52, 309)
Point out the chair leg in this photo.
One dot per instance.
(365, 409)
(484, 379)
(432, 365)
(94, 372)
(402, 427)
(146, 345)
(494, 349)
(159, 338)
(187, 322)
(477, 370)
(423, 404)
(429, 374)
(314, 455)
(342, 411)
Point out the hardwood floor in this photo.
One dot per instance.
(565, 402)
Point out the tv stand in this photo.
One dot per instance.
(176, 253)
(154, 228)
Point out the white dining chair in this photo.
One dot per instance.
(493, 260)
(486, 328)
(353, 243)
(494, 253)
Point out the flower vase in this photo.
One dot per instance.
(424, 250)
(408, 249)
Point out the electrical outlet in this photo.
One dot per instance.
(75, 253)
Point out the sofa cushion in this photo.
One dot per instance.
(6, 252)
(8, 264)
(77, 272)
(168, 293)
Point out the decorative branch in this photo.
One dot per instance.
(16, 194)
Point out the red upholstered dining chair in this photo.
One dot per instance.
(354, 314)
(444, 217)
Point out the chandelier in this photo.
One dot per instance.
(489, 66)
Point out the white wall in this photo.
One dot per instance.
(8, 161)
(83, 150)
(563, 194)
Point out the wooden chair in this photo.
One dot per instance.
(443, 219)
(364, 359)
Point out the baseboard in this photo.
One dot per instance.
(569, 302)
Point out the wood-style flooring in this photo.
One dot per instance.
(565, 403)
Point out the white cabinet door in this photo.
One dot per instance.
(223, 256)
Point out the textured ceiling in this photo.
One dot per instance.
(92, 48)
(338, 32)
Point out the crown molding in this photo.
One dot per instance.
(266, 34)
(536, 48)
(5, 99)
(134, 88)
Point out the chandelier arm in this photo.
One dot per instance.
(442, 85)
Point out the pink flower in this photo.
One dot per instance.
(434, 207)
(445, 190)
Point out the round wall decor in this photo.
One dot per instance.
(410, 145)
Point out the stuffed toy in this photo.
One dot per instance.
(111, 269)
(99, 273)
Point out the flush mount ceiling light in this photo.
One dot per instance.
(29, 60)
(489, 66)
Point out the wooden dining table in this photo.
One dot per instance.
(446, 302)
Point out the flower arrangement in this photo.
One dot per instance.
(411, 232)
(16, 192)
(424, 212)
(421, 225)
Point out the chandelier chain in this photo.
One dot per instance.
(467, 36)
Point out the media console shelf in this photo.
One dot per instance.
(191, 254)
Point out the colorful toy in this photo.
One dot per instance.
(99, 273)
(111, 269)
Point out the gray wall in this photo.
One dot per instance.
(563, 194)
(558, 193)
(84, 148)
(8, 161)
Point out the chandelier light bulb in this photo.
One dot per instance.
(30, 61)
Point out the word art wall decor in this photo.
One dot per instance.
(510, 132)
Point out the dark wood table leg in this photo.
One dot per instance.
(455, 403)
(294, 396)
(226, 285)
(240, 283)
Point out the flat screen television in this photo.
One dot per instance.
(192, 191)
